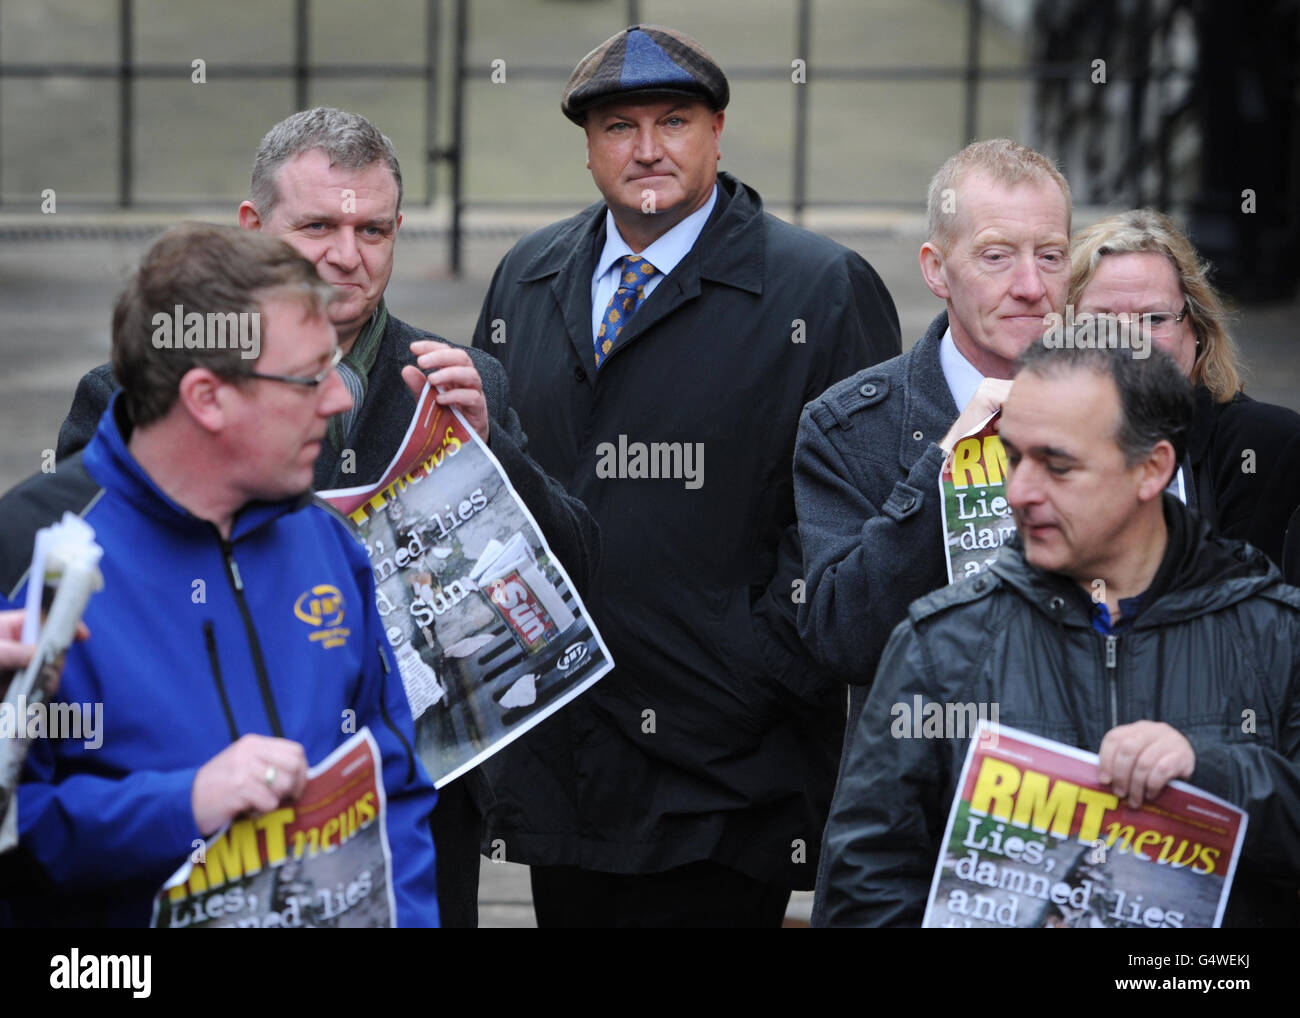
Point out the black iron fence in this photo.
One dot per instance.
(1118, 145)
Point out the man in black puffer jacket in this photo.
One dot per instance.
(1114, 623)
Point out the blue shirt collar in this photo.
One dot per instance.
(1128, 613)
(664, 253)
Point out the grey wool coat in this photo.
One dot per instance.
(866, 489)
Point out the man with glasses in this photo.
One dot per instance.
(219, 572)
(328, 182)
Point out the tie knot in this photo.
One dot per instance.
(635, 270)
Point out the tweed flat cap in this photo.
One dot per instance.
(644, 58)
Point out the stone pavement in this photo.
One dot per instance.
(505, 901)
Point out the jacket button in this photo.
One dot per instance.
(917, 436)
(907, 502)
(868, 390)
(980, 585)
(579, 373)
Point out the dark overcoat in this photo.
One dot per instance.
(716, 736)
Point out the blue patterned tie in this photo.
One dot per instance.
(633, 273)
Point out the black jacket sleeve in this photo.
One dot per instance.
(1291, 551)
(565, 522)
(88, 405)
(1251, 470)
(863, 330)
(37, 502)
(888, 815)
(1259, 775)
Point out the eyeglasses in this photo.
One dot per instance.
(1161, 321)
(310, 382)
(1157, 322)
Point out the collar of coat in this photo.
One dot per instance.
(1199, 573)
(928, 405)
(729, 250)
(109, 462)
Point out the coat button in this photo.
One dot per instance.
(868, 390)
(917, 436)
(981, 585)
(579, 373)
(906, 502)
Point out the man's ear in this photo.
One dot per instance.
(932, 270)
(249, 217)
(200, 395)
(398, 224)
(1157, 470)
(719, 117)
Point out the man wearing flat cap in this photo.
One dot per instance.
(660, 347)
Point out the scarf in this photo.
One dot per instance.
(355, 369)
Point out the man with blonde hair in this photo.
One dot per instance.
(1242, 468)
(870, 449)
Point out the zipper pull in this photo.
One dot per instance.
(1111, 641)
(232, 566)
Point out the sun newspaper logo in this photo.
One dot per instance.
(75, 971)
(322, 608)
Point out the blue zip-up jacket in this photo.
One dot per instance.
(196, 641)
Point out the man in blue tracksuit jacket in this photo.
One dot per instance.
(236, 640)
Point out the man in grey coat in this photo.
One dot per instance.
(328, 182)
(869, 450)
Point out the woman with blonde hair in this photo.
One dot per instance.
(1243, 456)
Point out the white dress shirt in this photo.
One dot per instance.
(962, 376)
(663, 254)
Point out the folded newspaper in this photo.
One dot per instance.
(1033, 840)
(977, 518)
(973, 499)
(320, 862)
(63, 575)
(490, 636)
